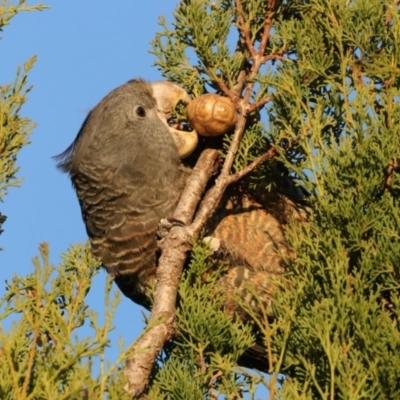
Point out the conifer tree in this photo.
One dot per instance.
(321, 82)
(325, 96)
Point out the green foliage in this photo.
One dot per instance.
(42, 353)
(9, 9)
(344, 337)
(202, 361)
(330, 84)
(14, 129)
(333, 117)
(203, 29)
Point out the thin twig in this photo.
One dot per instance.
(240, 81)
(275, 56)
(267, 28)
(259, 104)
(271, 153)
(214, 195)
(222, 86)
(243, 29)
(234, 146)
(258, 57)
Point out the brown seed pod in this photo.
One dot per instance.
(211, 114)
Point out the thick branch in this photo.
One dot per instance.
(179, 240)
(213, 196)
(206, 166)
(175, 247)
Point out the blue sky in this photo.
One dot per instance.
(84, 49)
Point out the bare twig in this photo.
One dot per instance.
(234, 146)
(222, 86)
(240, 81)
(259, 104)
(258, 58)
(244, 30)
(213, 196)
(217, 375)
(275, 56)
(271, 153)
(267, 27)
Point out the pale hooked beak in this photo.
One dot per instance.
(185, 141)
(167, 96)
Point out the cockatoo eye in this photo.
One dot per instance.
(140, 112)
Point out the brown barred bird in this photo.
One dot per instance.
(126, 170)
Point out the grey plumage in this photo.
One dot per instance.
(127, 175)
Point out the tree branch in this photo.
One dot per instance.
(243, 30)
(174, 251)
(259, 104)
(214, 195)
(178, 242)
(175, 247)
(267, 28)
(271, 153)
